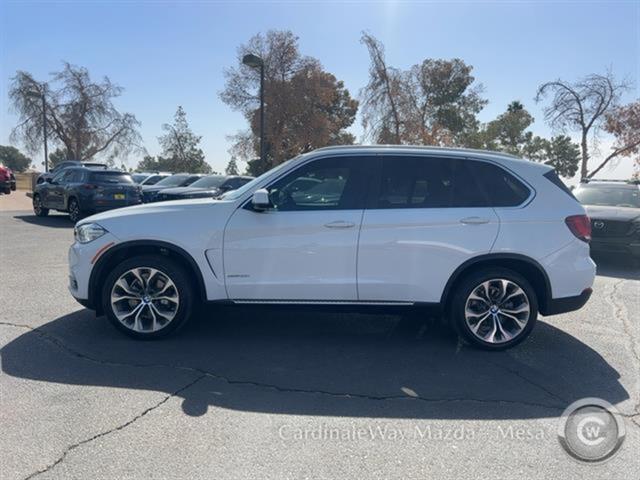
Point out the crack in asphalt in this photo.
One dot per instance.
(620, 312)
(73, 446)
(55, 341)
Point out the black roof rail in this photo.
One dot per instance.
(613, 180)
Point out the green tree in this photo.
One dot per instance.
(80, 115)
(180, 150)
(57, 156)
(13, 158)
(306, 107)
(150, 164)
(510, 133)
(232, 167)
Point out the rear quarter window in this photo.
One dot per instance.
(553, 177)
(501, 188)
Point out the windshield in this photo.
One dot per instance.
(138, 177)
(173, 181)
(234, 194)
(609, 196)
(209, 182)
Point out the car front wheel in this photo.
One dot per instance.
(74, 210)
(494, 309)
(38, 209)
(148, 297)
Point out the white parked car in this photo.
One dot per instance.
(490, 239)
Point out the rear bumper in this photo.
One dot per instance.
(555, 306)
(626, 245)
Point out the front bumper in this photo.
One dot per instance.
(82, 257)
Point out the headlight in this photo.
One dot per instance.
(88, 232)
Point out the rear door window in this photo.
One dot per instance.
(427, 182)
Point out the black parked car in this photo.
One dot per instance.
(150, 193)
(67, 164)
(82, 191)
(206, 187)
(614, 210)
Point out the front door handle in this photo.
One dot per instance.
(474, 220)
(340, 224)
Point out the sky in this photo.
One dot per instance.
(170, 53)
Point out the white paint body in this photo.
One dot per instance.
(363, 255)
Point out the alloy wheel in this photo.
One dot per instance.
(74, 211)
(37, 205)
(144, 299)
(497, 311)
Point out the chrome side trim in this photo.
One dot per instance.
(317, 302)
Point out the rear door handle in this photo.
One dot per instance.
(474, 220)
(340, 224)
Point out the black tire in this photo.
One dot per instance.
(469, 285)
(183, 285)
(75, 214)
(38, 209)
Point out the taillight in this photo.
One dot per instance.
(580, 226)
(89, 186)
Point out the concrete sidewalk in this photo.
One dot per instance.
(16, 201)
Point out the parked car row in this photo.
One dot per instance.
(209, 186)
(83, 189)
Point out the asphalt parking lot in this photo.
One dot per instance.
(253, 393)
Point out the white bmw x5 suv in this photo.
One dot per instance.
(490, 239)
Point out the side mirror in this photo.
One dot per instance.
(260, 200)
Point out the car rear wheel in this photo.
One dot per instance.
(38, 209)
(494, 309)
(148, 297)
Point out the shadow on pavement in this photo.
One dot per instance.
(617, 266)
(54, 221)
(338, 364)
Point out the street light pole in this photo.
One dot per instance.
(263, 160)
(44, 130)
(255, 61)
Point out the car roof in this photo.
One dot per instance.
(499, 157)
(93, 170)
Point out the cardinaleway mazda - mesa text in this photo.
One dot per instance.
(490, 239)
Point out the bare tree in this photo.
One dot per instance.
(382, 96)
(582, 106)
(80, 114)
